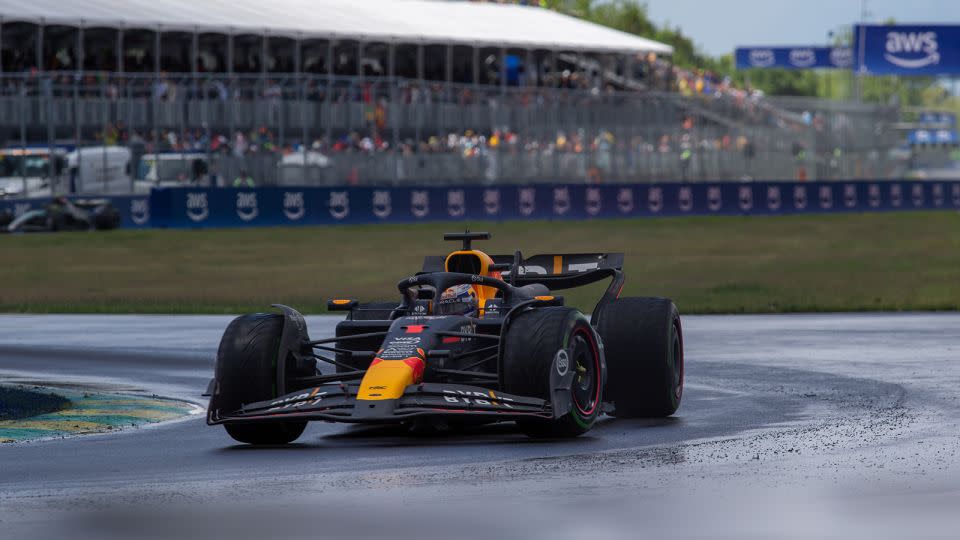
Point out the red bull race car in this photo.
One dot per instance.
(474, 338)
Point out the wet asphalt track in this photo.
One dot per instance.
(780, 414)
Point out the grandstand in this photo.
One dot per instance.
(396, 91)
(448, 41)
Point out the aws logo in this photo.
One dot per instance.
(850, 195)
(803, 57)
(826, 197)
(528, 197)
(714, 198)
(685, 199)
(773, 197)
(456, 203)
(491, 201)
(896, 195)
(912, 50)
(594, 201)
(625, 200)
(140, 211)
(420, 203)
(799, 197)
(247, 208)
(762, 58)
(745, 196)
(197, 208)
(841, 57)
(873, 195)
(293, 205)
(561, 200)
(937, 192)
(655, 199)
(339, 204)
(382, 204)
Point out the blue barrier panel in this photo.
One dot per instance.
(803, 57)
(134, 209)
(907, 49)
(203, 207)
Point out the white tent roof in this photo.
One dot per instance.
(406, 21)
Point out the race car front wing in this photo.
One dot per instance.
(338, 402)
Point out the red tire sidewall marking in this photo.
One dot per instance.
(597, 377)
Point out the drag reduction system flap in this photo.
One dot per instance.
(557, 271)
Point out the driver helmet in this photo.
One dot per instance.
(458, 300)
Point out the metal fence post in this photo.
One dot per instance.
(23, 134)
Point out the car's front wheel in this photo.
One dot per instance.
(533, 341)
(246, 372)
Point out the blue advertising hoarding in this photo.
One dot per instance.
(907, 49)
(937, 119)
(270, 206)
(936, 128)
(933, 136)
(197, 208)
(794, 57)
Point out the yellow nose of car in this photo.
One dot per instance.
(387, 379)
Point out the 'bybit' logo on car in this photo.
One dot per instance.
(912, 50)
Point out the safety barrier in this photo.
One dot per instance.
(134, 209)
(206, 207)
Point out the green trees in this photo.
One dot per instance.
(631, 16)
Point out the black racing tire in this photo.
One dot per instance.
(56, 221)
(643, 345)
(106, 218)
(532, 341)
(246, 372)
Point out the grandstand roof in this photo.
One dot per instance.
(397, 21)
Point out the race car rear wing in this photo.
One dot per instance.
(555, 271)
(547, 264)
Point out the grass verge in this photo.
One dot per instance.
(860, 262)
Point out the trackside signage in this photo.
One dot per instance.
(199, 208)
(192, 208)
(907, 49)
(800, 57)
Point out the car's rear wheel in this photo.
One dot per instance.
(246, 372)
(106, 218)
(532, 342)
(643, 344)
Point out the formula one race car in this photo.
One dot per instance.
(474, 338)
(63, 214)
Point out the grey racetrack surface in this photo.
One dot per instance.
(830, 423)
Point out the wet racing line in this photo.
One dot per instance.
(748, 379)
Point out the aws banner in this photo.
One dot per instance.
(794, 57)
(192, 208)
(907, 49)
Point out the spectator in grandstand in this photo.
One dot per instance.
(244, 180)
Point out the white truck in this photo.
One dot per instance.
(100, 170)
(173, 169)
(95, 170)
(26, 172)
